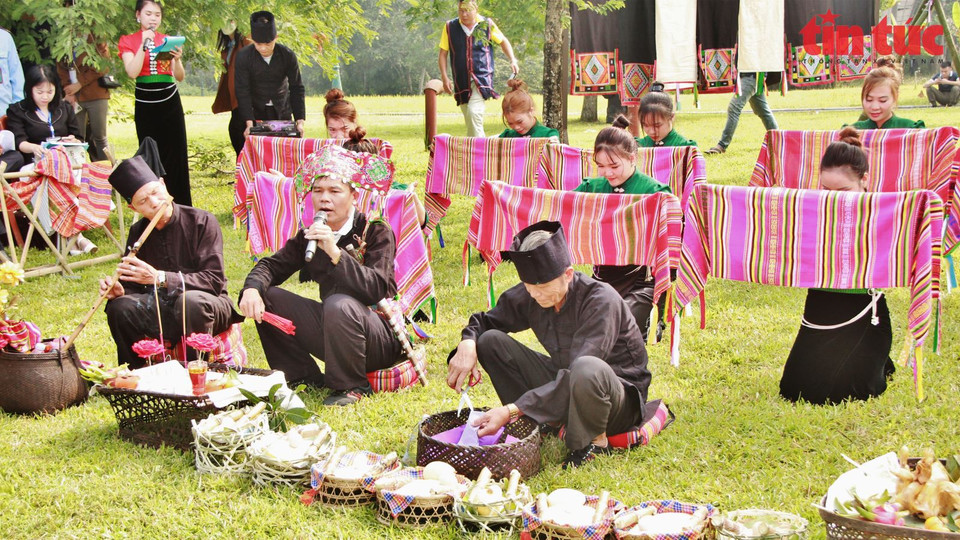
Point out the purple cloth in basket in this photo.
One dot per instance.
(452, 436)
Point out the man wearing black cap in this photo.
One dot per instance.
(594, 377)
(183, 253)
(267, 77)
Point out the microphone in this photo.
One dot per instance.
(319, 217)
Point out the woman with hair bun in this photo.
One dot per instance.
(881, 90)
(840, 353)
(520, 114)
(339, 114)
(615, 153)
(656, 120)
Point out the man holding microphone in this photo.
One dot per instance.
(351, 259)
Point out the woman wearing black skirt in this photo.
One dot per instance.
(158, 112)
(843, 348)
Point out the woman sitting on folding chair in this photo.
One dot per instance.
(44, 117)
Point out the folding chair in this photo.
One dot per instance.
(61, 264)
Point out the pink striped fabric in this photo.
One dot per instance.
(900, 160)
(815, 238)
(284, 154)
(277, 212)
(680, 167)
(607, 229)
(460, 164)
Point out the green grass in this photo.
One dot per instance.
(735, 443)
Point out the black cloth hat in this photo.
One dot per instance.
(151, 154)
(263, 27)
(545, 262)
(131, 175)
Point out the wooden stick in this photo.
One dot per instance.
(6, 217)
(116, 275)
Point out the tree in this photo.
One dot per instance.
(319, 31)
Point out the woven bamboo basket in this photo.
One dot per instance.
(493, 516)
(547, 530)
(33, 383)
(706, 531)
(422, 512)
(294, 474)
(336, 492)
(523, 455)
(156, 419)
(844, 528)
(800, 530)
(226, 452)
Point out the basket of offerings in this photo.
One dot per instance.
(896, 497)
(286, 458)
(490, 506)
(419, 496)
(515, 446)
(156, 405)
(664, 520)
(42, 380)
(759, 524)
(343, 478)
(567, 514)
(220, 441)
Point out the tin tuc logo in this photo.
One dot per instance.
(830, 38)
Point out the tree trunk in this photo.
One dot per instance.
(614, 107)
(589, 111)
(553, 92)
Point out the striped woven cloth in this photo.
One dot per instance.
(78, 202)
(605, 229)
(814, 238)
(460, 164)
(900, 160)
(680, 167)
(284, 154)
(277, 213)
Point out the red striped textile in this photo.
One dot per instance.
(460, 164)
(397, 377)
(284, 154)
(680, 167)
(900, 160)
(606, 229)
(816, 238)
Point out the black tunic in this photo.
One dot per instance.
(850, 362)
(594, 321)
(369, 281)
(258, 83)
(26, 126)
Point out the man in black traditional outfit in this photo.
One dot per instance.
(267, 77)
(594, 377)
(353, 266)
(182, 259)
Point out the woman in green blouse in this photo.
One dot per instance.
(520, 114)
(881, 90)
(656, 120)
(615, 153)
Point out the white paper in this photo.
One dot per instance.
(258, 386)
(869, 479)
(165, 378)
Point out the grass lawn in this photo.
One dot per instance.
(735, 443)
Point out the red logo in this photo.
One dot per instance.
(829, 38)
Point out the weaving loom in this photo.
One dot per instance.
(680, 167)
(899, 160)
(283, 154)
(276, 213)
(600, 228)
(819, 239)
(460, 164)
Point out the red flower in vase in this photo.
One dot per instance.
(201, 342)
(148, 348)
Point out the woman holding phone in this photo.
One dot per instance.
(158, 112)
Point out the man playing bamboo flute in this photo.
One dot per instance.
(180, 263)
(353, 265)
(594, 377)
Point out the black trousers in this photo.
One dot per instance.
(349, 337)
(587, 396)
(133, 317)
(236, 129)
(159, 114)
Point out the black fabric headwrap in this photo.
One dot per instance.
(263, 27)
(131, 175)
(545, 262)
